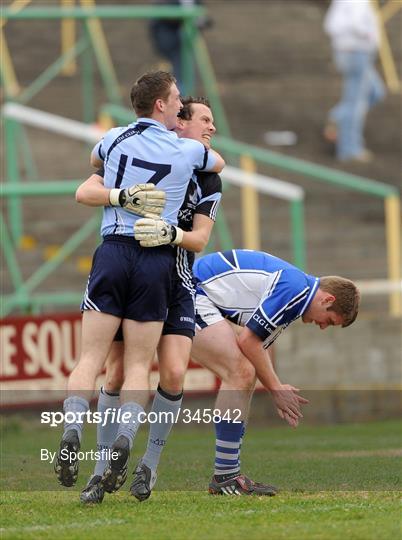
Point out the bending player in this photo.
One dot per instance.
(263, 294)
(129, 284)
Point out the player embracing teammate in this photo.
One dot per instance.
(130, 285)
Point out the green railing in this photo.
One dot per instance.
(14, 190)
(92, 43)
(235, 149)
(104, 12)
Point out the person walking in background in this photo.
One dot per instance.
(355, 38)
(166, 36)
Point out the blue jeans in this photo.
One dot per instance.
(362, 89)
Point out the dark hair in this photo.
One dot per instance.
(187, 111)
(347, 297)
(148, 88)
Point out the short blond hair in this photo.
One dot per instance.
(347, 297)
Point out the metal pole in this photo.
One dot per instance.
(208, 78)
(9, 254)
(30, 168)
(88, 113)
(43, 189)
(104, 12)
(389, 9)
(188, 32)
(15, 7)
(387, 61)
(102, 54)
(54, 69)
(9, 78)
(393, 236)
(250, 208)
(68, 39)
(13, 177)
(298, 236)
(305, 168)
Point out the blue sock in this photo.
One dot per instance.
(129, 427)
(243, 431)
(106, 434)
(228, 438)
(74, 405)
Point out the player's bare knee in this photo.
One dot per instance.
(242, 377)
(172, 380)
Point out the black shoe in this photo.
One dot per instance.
(93, 491)
(144, 481)
(115, 473)
(241, 485)
(264, 489)
(66, 464)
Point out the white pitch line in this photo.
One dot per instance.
(76, 525)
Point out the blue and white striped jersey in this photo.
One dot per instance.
(146, 151)
(255, 289)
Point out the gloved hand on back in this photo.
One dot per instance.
(141, 199)
(156, 232)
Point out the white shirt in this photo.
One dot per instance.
(352, 25)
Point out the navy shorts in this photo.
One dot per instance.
(180, 319)
(130, 281)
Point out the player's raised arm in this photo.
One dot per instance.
(219, 164)
(211, 162)
(201, 157)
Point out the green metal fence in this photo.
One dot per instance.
(92, 46)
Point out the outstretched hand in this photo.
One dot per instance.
(288, 403)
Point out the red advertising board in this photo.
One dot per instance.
(38, 353)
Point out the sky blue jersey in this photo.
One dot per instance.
(146, 151)
(255, 289)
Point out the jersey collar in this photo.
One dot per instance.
(151, 122)
(314, 283)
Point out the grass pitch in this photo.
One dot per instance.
(338, 482)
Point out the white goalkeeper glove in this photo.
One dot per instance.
(141, 199)
(156, 232)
